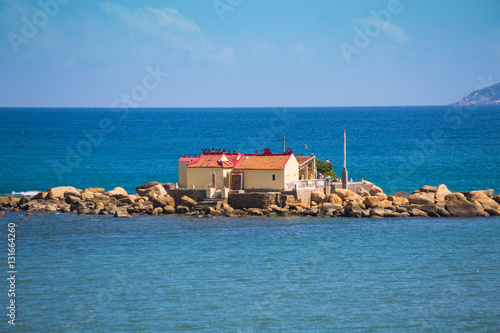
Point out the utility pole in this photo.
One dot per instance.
(283, 143)
(344, 171)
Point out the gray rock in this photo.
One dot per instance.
(182, 210)
(418, 213)
(353, 210)
(122, 213)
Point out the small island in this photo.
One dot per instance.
(222, 182)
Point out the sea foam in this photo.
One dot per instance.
(24, 194)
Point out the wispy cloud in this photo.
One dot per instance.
(166, 28)
(296, 48)
(171, 17)
(392, 30)
(225, 57)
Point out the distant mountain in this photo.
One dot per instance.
(486, 96)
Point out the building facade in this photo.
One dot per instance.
(244, 171)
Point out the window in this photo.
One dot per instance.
(274, 177)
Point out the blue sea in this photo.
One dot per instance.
(100, 273)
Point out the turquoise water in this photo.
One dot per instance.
(396, 148)
(256, 274)
(82, 273)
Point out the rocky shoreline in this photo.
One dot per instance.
(154, 198)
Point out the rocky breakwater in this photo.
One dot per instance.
(154, 198)
(429, 201)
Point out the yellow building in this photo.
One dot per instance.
(244, 171)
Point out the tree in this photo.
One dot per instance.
(326, 168)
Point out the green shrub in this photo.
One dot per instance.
(325, 168)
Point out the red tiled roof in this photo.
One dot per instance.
(189, 159)
(262, 162)
(213, 160)
(303, 160)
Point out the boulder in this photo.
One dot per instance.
(187, 201)
(122, 213)
(331, 210)
(454, 197)
(72, 200)
(488, 203)
(348, 196)
(227, 208)
(276, 209)
(371, 201)
(169, 187)
(385, 203)
(57, 193)
(87, 196)
(353, 210)
(377, 212)
(118, 193)
(146, 186)
(317, 196)
(94, 190)
(156, 191)
(255, 211)
(111, 209)
(399, 201)
(98, 197)
(441, 192)
(418, 213)
(463, 208)
(40, 196)
(420, 199)
(2, 213)
(434, 210)
(497, 198)
(9, 202)
(333, 198)
(163, 201)
(374, 190)
(475, 195)
(158, 211)
(24, 200)
(181, 210)
(168, 210)
(489, 193)
(381, 196)
(401, 194)
(363, 193)
(128, 200)
(428, 189)
(492, 211)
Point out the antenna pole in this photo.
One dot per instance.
(344, 171)
(284, 143)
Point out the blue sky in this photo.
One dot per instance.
(223, 53)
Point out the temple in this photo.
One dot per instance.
(219, 169)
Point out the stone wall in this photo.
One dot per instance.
(193, 193)
(254, 199)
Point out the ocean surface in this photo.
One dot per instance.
(397, 148)
(99, 273)
(154, 274)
